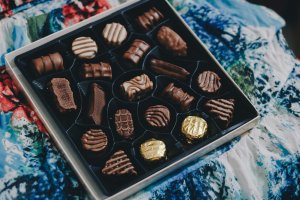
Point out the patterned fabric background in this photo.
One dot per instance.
(247, 39)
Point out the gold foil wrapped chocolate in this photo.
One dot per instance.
(193, 128)
(153, 150)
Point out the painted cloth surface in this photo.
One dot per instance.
(248, 42)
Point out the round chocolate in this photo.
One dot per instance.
(158, 116)
(94, 140)
(84, 47)
(153, 150)
(114, 34)
(209, 82)
(193, 128)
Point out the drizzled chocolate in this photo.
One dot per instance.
(84, 47)
(209, 82)
(158, 116)
(114, 34)
(94, 140)
(222, 109)
(119, 164)
(124, 123)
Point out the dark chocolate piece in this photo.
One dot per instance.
(148, 19)
(136, 51)
(94, 140)
(97, 102)
(209, 82)
(136, 87)
(222, 109)
(119, 164)
(178, 96)
(63, 94)
(124, 123)
(172, 41)
(97, 70)
(169, 69)
(48, 63)
(158, 116)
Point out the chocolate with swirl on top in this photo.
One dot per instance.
(94, 140)
(178, 96)
(119, 164)
(136, 51)
(149, 18)
(137, 87)
(222, 109)
(172, 41)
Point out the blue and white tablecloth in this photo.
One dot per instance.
(247, 39)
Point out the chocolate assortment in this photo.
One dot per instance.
(172, 100)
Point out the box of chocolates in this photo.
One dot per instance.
(130, 95)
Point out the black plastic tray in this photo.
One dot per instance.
(74, 124)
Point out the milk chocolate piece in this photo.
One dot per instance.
(158, 116)
(169, 69)
(178, 96)
(222, 109)
(96, 70)
(84, 47)
(153, 150)
(172, 41)
(63, 94)
(48, 63)
(114, 34)
(137, 87)
(94, 140)
(124, 123)
(209, 82)
(97, 102)
(149, 18)
(193, 128)
(119, 164)
(136, 51)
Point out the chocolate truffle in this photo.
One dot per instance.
(149, 18)
(171, 41)
(178, 96)
(124, 123)
(209, 82)
(153, 150)
(96, 70)
(119, 164)
(137, 87)
(84, 47)
(169, 69)
(97, 102)
(62, 94)
(114, 34)
(94, 140)
(193, 128)
(136, 51)
(158, 116)
(48, 63)
(222, 109)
